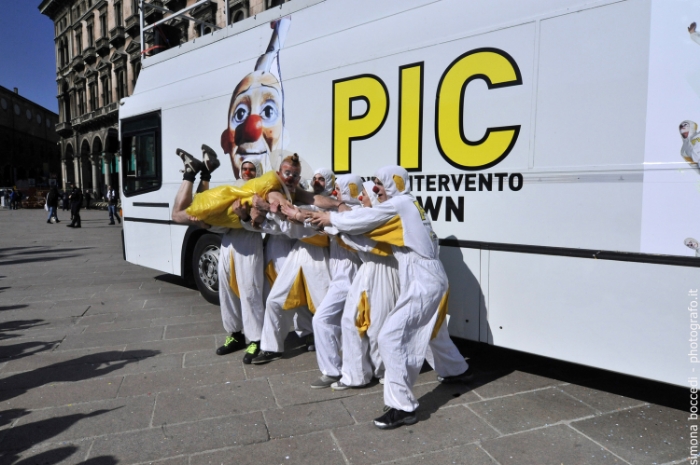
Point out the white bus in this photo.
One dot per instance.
(542, 138)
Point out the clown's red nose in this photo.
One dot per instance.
(375, 189)
(359, 198)
(249, 130)
(334, 193)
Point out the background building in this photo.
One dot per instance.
(28, 152)
(98, 59)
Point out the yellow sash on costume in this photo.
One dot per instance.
(214, 205)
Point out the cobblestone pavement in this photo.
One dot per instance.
(104, 362)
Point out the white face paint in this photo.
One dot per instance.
(684, 129)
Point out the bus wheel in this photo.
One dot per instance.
(205, 264)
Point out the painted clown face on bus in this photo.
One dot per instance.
(254, 120)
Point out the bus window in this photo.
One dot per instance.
(141, 157)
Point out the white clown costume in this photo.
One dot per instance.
(343, 264)
(414, 330)
(299, 287)
(372, 296)
(241, 279)
(690, 150)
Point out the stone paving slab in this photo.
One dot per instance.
(241, 396)
(103, 362)
(641, 435)
(449, 427)
(530, 410)
(310, 449)
(173, 440)
(307, 418)
(555, 445)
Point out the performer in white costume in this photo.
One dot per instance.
(372, 296)
(690, 150)
(241, 281)
(302, 282)
(414, 330)
(343, 264)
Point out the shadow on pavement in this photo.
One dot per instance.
(176, 280)
(24, 437)
(79, 369)
(12, 307)
(25, 349)
(18, 325)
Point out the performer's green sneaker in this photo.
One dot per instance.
(234, 342)
(251, 352)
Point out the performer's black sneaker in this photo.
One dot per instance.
(264, 357)
(234, 342)
(394, 418)
(465, 377)
(251, 352)
(211, 161)
(192, 165)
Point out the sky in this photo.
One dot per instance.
(27, 53)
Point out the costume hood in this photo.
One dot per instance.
(329, 176)
(258, 165)
(369, 186)
(688, 151)
(395, 180)
(350, 187)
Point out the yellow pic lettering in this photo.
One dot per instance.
(411, 116)
(498, 69)
(348, 127)
(420, 210)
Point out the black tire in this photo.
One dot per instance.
(205, 260)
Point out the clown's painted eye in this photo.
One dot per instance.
(269, 112)
(240, 114)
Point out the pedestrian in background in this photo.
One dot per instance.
(66, 203)
(52, 204)
(76, 201)
(87, 199)
(112, 200)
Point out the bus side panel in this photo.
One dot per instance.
(626, 317)
(466, 299)
(177, 238)
(148, 244)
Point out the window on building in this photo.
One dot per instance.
(237, 15)
(121, 84)
(93, 96)
(90, 36)
(137, 71)
(103, 25)
(134, 7)
(141, 154)
(81, 101)
(118, 16)
(106, 90)
(274, 3)
(78, 43)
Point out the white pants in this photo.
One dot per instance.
(343, 265)
(298, 290)
(241, 282)
(405, 339)
(376, 286)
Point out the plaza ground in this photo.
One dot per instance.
(105, 362)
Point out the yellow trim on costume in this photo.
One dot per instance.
(341, 243)
(442, 314)
(354, 190)
(299, 295)
(319, 240)
(270, 273)
(390, 232)
(233, 282)
(363, 321)
(400, 185)
(382, 249)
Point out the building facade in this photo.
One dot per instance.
(29, 154)
(98, 59)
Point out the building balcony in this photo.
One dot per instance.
(117, 36)
(151, 14)
(64, 129)
(89, 55)
(132, 25)
(102, 46)
(77, 63)
(174, 5)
